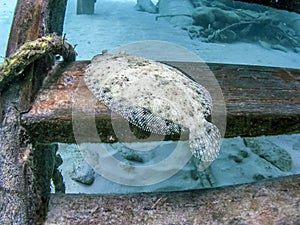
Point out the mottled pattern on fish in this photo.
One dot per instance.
(156, 98)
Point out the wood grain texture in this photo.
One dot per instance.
(24, 178)
(34, 18)
(259, 101)
(269, 202)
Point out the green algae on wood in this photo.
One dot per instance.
(14, 66)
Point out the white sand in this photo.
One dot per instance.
(225, 170)
(116, 23)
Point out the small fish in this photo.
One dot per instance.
(156, 98)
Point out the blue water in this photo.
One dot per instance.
(6, 16)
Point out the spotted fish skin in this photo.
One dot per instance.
(156, 98)
(139, 116)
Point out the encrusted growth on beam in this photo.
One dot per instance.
(14, 66)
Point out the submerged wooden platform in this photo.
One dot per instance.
(268, 202)
(259, 101)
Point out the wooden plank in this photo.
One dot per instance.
(259, 101)
(25, 173)
(34, 18)
(269, 202)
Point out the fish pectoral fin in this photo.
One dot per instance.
(148, 121)
(205, 144)
(144, 118)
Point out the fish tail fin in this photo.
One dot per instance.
(205, 144)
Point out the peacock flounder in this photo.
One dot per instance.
(156, 98)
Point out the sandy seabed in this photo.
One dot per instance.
(116, 23)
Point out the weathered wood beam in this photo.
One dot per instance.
(24, 171)
(259, 100)
(268, 202)
(33, 19)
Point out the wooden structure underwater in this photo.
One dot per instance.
(37, 113)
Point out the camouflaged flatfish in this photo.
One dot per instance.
(156, 98)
